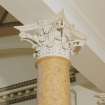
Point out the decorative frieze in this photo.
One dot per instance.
(18, 92)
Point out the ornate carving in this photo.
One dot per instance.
(18, 92)
(53, 38)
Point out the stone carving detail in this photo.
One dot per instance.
(53, 38)
(18, 92)
(101, 99)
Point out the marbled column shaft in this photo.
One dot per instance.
(53, 81)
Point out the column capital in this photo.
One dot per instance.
(53, 38)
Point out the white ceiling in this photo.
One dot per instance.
(85, 15)
(94, 11)
(27, 12)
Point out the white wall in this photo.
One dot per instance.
(16, 69)
(85, 96)
(13, 42)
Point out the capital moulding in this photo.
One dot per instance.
(53, 37)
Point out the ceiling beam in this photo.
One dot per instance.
(8, 31)
(11, 24)
(3, 16)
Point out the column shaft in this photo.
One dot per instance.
(53, 81)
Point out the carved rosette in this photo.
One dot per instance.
(53, 38)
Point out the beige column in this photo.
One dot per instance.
(53, 81)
